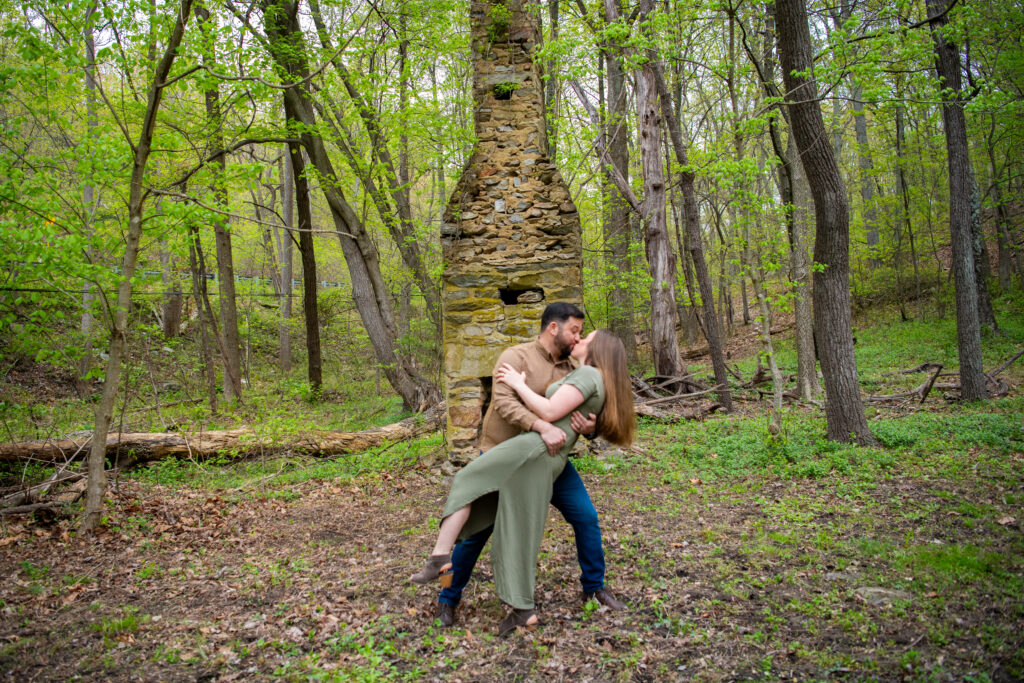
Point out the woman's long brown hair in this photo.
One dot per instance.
(616, 423)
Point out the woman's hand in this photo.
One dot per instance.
(510, 376)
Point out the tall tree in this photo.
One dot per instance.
(691, 217)
(615, 218)
(288, 50)
(968, 326)
(844, 410)
(795, 195)
(141, 148)
(229, 339)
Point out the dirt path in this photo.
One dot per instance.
(741, 580)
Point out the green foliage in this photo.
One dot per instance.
(499, 18)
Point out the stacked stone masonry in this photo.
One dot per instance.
(511, 233)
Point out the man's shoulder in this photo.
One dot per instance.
(518, 351)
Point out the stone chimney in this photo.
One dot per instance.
(511, 234)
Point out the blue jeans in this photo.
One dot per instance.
(570, 497)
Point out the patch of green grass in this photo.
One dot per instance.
(275, 477)
(33, 572)
(112, 628)
(149, 570)
(956, 564)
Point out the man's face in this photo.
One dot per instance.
(567, 336)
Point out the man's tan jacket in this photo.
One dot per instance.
(506, 415)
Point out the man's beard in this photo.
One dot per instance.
(564, 347)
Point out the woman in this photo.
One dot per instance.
(509, 486)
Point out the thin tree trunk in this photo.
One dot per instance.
(982, 267)
(947, 64)
(172, 299)
(284, 241)
(844, 410)
(86, 322)
(97, 484)
(800, 219)
(229, 341)
(691, 214)
(901, 183)
(616, 230)
(198, 266)
(372, 299)
(307, 256)
(866, 166)
(551, 88)
(403, 229)
(795, 194)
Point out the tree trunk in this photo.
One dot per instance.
(307, 256)
(800, 219)
(196, 262)
(85, 325)
(229, 341)
(982, 267)
(551, 88)
(172, 298)
(284, 240)
(372, 299)
(844, 409)
(866, 166)
(901, 185)
(691, 214)
(97, 487)
(968, 326)
(660, 258)
(616, 230)
(795, 194)
(1009, 256)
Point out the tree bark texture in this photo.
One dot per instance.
(97, 486)
(968, 326)
(660, 258)
(844, 409)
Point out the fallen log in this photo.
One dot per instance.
(131, 448)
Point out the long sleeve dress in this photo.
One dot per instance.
(510, 487)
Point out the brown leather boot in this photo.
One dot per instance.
(606, 598)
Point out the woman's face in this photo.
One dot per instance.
(579, 352)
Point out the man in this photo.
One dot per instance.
(544, 360)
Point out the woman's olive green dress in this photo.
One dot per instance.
(510, 487)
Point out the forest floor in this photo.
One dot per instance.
(914, 571)
(741, 556)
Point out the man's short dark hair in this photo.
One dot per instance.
(560, 312)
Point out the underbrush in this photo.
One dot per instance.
(275, 476)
